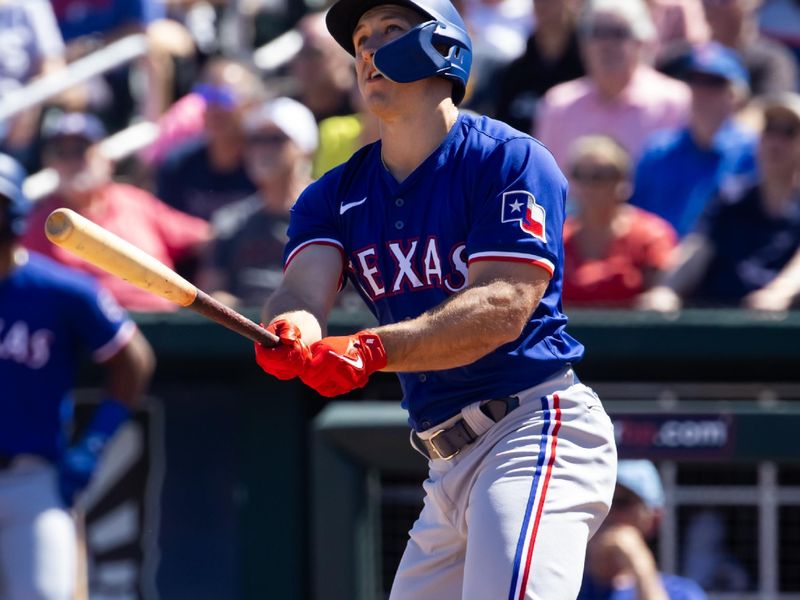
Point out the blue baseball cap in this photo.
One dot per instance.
(716, 59)
(77, 124)
(642, 478)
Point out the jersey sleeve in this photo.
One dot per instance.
(518, 209)
(313, 221)
(100, 323)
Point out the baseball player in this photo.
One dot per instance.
(450, 227)
(48, 313)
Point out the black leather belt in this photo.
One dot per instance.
(5, 461)
(446, 443)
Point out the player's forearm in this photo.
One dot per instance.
(692, 258)
(467, 327)
(285, 304)
(787, 282)
(648, 580)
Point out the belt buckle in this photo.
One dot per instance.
(435, 449)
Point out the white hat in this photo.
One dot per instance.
(291, 117)
(642, 478)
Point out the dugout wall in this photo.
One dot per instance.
(259, 499)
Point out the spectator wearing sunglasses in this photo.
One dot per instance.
(771, 67)
(245, 262)
(680, 169)
(208, 173)
(612, 251)
(744, 251)
(622, 95)
(322, 70)
(619, 562)
(552, 56)
(86, 186)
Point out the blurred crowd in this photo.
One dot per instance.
(677, 123)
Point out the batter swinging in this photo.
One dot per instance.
(450, 227)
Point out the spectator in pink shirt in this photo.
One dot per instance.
(130, 212)
(621, 95)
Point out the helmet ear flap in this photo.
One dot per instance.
(414, 56)
(411, 57)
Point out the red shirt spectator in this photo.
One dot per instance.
(617, 278)
(136, 216)
(613, 252)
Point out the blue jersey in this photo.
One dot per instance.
(677, 588)
(488, 192)
(676, 179)
(48, 315)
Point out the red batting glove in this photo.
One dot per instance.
(341, 364)
(290, 357)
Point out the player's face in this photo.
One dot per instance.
(224, 89)
(377, 27)
(628, 509)
(554, 11)
(81, 167)
(726, 17)
(270, 154)
(597, 184)
(779, 147)
(713, 98)
(610, 47)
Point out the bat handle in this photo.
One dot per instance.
(226, 316)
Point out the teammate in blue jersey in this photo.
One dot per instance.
(450, 226)
(48, 314)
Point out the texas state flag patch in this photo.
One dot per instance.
(520, 206)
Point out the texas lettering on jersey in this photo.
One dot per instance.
(417, 266)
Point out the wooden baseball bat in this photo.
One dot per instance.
(100, 247)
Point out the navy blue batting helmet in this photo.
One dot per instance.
(12, 177)
(414, 55)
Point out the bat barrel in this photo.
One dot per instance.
(111, 253)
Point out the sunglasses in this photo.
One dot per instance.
(266, 139)
(624, 501)
(787, 131)
(707, 81)
(616, 33)
(596, 175)
(68, 149)
(220, 96)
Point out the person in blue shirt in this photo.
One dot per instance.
(745, 250)
(680, 169)
(450, 226)
(619, 562)
(49, 314)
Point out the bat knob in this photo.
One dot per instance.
(59, 224)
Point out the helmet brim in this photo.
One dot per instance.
(343, 17)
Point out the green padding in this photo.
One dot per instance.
(695, 345)
(375, 434)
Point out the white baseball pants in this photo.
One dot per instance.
(37, 535)
(509, 517)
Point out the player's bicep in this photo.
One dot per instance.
(314, 276)
(528, 280)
